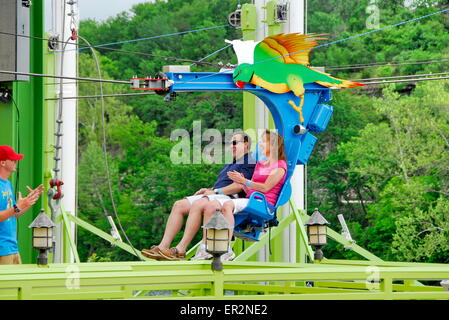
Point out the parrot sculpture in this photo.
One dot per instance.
(280, 64)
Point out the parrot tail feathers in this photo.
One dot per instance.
(341, 84)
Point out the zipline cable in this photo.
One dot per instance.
(18, 145)
(382, 63)
(64, 77)
(153, 93)
(115, 50)
(201, 61)
(355, 36)
(331, 43)
(105, 96)
(105, 154)
(402, 77)
(225, 47)
(388, 64)
(154, 37)
(405, 80)
(105, 80)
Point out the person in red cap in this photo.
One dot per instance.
(9, 209)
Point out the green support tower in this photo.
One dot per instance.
(22, 127)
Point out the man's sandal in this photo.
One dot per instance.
(172, 254)
(153, 253)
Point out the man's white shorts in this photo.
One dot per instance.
(219, 197)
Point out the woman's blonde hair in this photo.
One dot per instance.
(276, 142)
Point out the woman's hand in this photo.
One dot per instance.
(237, 177)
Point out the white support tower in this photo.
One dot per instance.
(63, 25)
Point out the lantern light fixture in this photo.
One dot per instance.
(317, 231)
(217, 238)
(42, 236)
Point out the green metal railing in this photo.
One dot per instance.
(238, 280)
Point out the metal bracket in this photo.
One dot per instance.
(235, 18)
(53, 42)
(5, 95)
(345, 231)
(114, 231)
(160, 84)
(26, 3)
(282, 12)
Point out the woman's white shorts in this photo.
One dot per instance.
(240, 204)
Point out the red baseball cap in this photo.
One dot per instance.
(7, 153)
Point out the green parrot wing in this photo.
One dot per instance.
(293, 48)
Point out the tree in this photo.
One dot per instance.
(403, 160)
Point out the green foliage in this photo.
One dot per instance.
(384, 151)
(424, 235)
(145, 183)
(402, 160)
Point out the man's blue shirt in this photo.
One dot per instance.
(244, 165)
(8, 228)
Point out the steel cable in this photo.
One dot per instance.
(105, 154)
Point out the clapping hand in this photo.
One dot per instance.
(237, 177)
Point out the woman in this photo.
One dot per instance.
(268, 178)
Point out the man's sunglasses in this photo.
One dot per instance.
(234, 142)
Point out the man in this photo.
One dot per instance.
(9, 209)
(223, 189)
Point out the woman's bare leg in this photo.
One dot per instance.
(228, 213)
(208, 213)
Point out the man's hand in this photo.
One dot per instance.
(25, 203)
(38, 191)
(202, 191)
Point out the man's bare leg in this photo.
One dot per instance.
(174, 222)
(193, 223)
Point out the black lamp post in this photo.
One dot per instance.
(217, 238)
(42, 236)
(317, 231)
